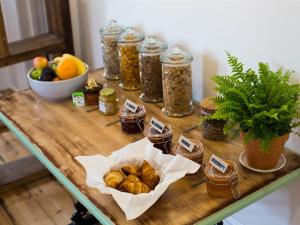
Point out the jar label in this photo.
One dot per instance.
(157, 125)
(106, 107)
(186, 143)
(130, 105)
(218, 163)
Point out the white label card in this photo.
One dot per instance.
(218, 163)
(130, 105)
(186, 143)
(157, 125)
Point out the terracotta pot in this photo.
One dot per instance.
(264, 160)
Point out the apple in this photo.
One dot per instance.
(40, 62)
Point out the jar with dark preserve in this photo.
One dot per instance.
(108, 101)
(132, 123)
(109, 43)
(211, 129)
(195, 155)
(91, 92)
(177, 82)
(162, 141)
(150, 69)
(222, 185)
(129, 59)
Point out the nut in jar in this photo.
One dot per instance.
(109, 43)
(129, 59)
(177, 83)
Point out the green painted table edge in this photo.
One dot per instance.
(101, 217)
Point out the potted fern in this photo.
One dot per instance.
(262, 106)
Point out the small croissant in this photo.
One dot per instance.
(129, 179)
(131, 169)
(135, 187)
(149, 177)
(114, 178)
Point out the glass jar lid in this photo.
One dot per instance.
(106, 92)
(152, 45)
(131, 35)
(197, 151)
(230, 173)
(176, 56)
(127, 114)
(150, 132)
(112, 28)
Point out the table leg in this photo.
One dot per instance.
(82, 217)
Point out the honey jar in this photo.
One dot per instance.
(222, 185)
(132, 123)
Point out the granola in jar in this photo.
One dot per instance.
(177, 83)
(150, 69)
(109, 43)
(129, 59)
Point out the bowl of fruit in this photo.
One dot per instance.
(58, 79)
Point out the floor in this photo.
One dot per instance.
(42, 202)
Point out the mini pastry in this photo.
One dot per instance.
(114, 178)
(129, 179)
(131, 169)
(135, 187)
(149, 176)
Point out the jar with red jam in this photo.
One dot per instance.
(162, 141)
(222, 185)
(91, 92)
(133, 123)
(195, 155)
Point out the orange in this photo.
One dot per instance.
(67, 69)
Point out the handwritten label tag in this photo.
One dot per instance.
(157, 125)
(218, 163)
(186, 143)
(130, 105)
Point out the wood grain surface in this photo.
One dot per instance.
(63, 132)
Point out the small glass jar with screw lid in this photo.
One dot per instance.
(177, 82)
(129, 58)
(109, 43)
(150, 69)
(108, 101)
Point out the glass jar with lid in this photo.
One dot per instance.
(109, 43)
(108, 101)
(129, 58)
(162, 141)
(133, 123)
(222, 185)
(212, 129)
(177, 82)
(150, 69)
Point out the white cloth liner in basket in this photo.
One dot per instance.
(170, 169)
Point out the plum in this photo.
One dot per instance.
(48, 74)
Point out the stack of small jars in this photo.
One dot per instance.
(145, 64)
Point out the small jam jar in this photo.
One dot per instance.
(91, 92)
(211, 129)
(108, 101)
(222, 185)
(133, 123)
(162, 141)
(196, 155)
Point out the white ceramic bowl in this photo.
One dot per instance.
(58, 90)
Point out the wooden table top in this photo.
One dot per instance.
(63, 132)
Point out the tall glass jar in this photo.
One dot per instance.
(150, 69)
(129, 59)
(177, 82)
(109, 43)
